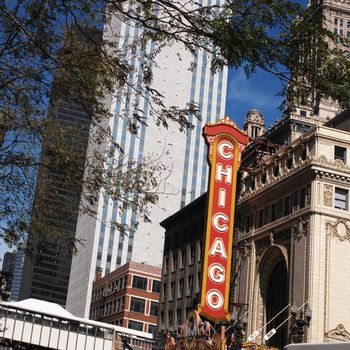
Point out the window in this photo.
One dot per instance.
(154, 308)
(178, 316)
(302, 198)
(341, 198)
(174, 263)
(266, 215)
(303, 154)
(336, 21)
(170, 317)
(246, 221)
(172, 290)
(341, 22)
(193, 251)
(183, 258)
(273, 212)
(156, 286)
(287, 207)
(261, 218)
(303, 113)
(263, 178)
(152, 329)
(279, 209)
(340, 153)
(137, 305)
(190, 285)
(296, 200)
(276, 170)
(137, 326)
(289, 163)
(181, 288)
(139, 282)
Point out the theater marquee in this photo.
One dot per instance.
(226, 143)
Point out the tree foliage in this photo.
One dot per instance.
(52, 51)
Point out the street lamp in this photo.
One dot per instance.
(299, 324)
(236, 336)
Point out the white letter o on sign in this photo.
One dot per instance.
(215, 299)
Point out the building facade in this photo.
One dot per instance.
(293, 215)
(291, 236)
(128, 297)
(184, 154)
(182, 264)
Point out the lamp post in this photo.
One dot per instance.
(235, 338)
(299, 324)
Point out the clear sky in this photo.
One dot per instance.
(260, 91)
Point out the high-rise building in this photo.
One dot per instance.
(45, 275)
(8, 267)
(335, 16)
(17, 273)
(183, 154)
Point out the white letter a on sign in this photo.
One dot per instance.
(218, 247)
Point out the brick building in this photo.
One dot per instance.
(127, 297)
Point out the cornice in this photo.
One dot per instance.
(321, 167)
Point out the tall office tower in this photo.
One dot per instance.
(17, 273)
(8, 267)
(335, 16)
(184, 155)
(46, 276)
(57, 198)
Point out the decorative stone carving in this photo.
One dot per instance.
(339, 333)
(337, 163)
(322, 159)
(340, 230)
(328, 195)
(272, 239)
(301, 229)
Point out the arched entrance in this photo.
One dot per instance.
(274, 286)
(277, 299)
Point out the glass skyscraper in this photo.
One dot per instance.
(183, 154)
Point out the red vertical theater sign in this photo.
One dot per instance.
(226, 143)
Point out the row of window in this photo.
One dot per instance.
(138, 305)
(297, 200)
(138, 326)
(121, 283)
(141, 283)
(179, 261)
(340, 22)
(112, 287)
(341, 32)
(179, 290)
(178, 316)
(47, 321)
(107, 309)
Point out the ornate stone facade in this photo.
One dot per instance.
(293, 210)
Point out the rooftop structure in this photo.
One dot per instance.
(40, 324)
